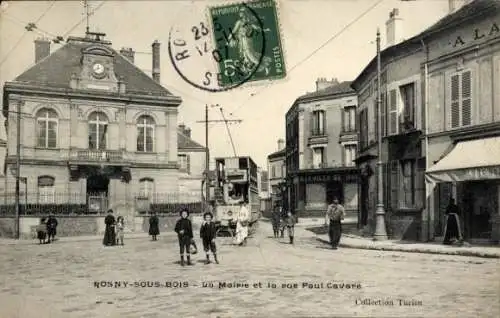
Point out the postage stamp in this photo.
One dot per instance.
(227, 46)
(244, 50)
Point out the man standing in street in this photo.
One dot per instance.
(334, 216)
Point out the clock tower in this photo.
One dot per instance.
(97, 64)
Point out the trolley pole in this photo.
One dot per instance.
(207, 150)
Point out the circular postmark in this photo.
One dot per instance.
(219, 54)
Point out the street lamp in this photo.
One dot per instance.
(380, 231)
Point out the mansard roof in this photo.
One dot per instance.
(186, 143)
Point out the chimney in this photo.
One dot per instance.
(187, 132)
(281, 144)
(322, 83)
(42, 49)
(394, 28)
(156, 61)
(128, 53)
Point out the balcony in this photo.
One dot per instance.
(96, 156)
(317, 138)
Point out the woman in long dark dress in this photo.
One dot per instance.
(109, 233)
(154, 229)
(452, 231)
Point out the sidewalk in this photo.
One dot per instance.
(72, 239)
(358, 242)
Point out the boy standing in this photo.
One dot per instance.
(208, 233)
(184, 230)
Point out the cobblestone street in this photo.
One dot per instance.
(58, 280)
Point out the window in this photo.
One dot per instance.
(98, 126)
(407, 190)
(349, 119)
(318, 157)
(146, 187)
(46, 189)
(408, 98)
(318, 123)
(393, 112)
(363, 128)
(145, 134)
(46, 120)
(183, 162)
(349, 155)
(461, 103)
(273, 171)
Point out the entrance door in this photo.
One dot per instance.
(481, 206)
(334, 190)
(97, 192)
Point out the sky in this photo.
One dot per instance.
(305, 27)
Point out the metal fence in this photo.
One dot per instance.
(98, 203)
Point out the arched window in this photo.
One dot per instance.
(146, 187)
(145, 134)
(98, 127)
(46, 189)
(46, 121)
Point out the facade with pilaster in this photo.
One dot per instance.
(95, 131)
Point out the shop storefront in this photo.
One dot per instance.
(470, 173)
(316, 189)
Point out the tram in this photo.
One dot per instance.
(236, 181)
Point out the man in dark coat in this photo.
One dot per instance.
(154, 229)
(276, 218)
(184, 230)
(208, 232)
(109, 233)
(334, 216)
(51, 228)
(452, 231)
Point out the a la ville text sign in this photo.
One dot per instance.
(477, 34)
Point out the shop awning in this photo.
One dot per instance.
(469, 160)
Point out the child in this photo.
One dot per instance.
(184, 230)
(41, 230)
(120, 227)
(290, 224)
(208, 234)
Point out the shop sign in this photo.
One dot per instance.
(320, 178)
(477, 34)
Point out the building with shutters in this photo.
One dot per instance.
(95, 131)
(191, 160)
(439, 92)
(321, 145)
(277, 174)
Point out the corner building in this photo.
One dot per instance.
(95, 131)
(321, 145)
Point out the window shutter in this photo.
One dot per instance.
(394, 184)
(312, 121)
(188, 164)
(383, 112)
(466, 98)
(324, 132)
(455, 101)
(393, 119)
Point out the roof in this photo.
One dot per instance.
(277, 154)
(467, 12)
(184, 142)
(339, 89)
(56, 70)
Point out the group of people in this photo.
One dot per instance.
(114, 232)
(47, 230)
(281, 220)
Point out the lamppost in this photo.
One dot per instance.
(380, 231)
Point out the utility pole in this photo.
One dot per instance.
(207, 151)
(18, 164)
(380, 231)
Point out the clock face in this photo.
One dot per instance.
(98, 68)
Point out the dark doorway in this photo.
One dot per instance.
(334, 190)
(364, 201)
(97, 185)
